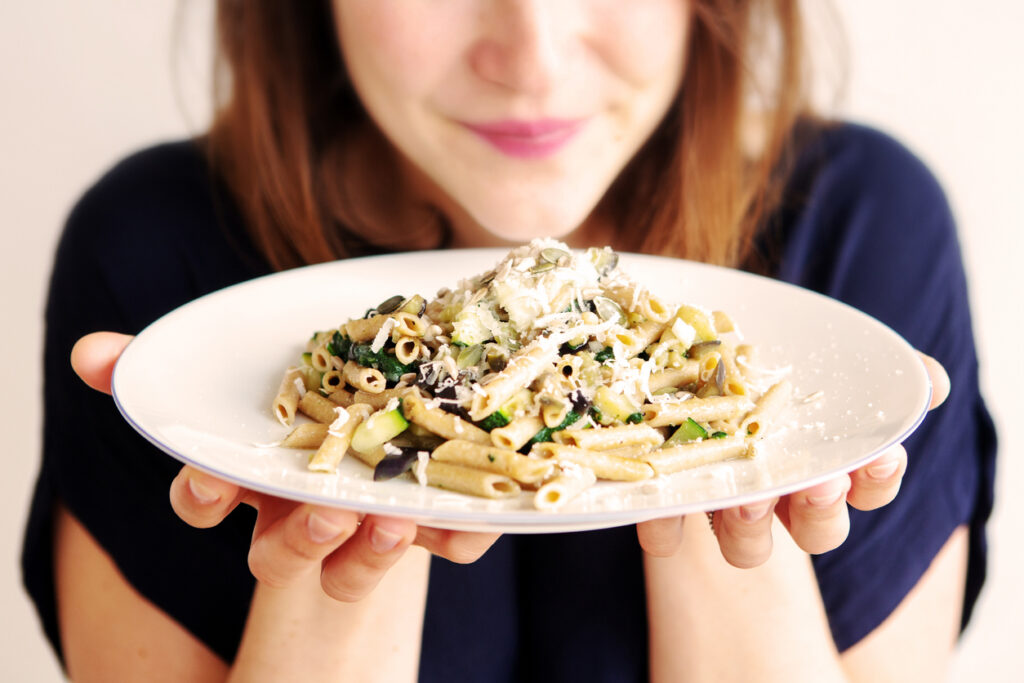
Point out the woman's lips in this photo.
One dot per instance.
(527, 139)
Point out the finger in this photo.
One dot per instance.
(94, 355)
(878, 482)
(939, 378)
(354, 569)
(297, 542)
(202, 500)
(817, 518)
(745, 533)
(660, 537)
(461, 547)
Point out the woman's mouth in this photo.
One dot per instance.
(522, 139)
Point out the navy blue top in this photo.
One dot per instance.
(862, 221)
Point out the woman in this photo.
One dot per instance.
(354, 127)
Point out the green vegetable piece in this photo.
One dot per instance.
(391, 367)
(493, 421)
(635, 418)
(378, 430)
(363, 355)
(604, 354)
(545, 434)
(339, 345)
(688, 431)
(719, 435)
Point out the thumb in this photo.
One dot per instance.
(94, 355)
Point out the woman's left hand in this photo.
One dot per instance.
(817, 517)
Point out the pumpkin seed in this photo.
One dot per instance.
(608, 310)
(552, 255)
(542, 267)
(390, 305)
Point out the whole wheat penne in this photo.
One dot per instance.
(342, 397)
(514, 435)
(440, 422)
(475, 482)
(409, 325)
(490, 458)
(318, 408)
(339, 435)
(367, 379)
(407, 349)
(332, 380)
(568, 484)
(605, 466)
(378, 400)
(306, 435)
(604, 438)
(286, 401)
(365, 329)
(767, 409)
(522, 369)
(696, 453)
(320, 358)
(675, 377)
(700, 409)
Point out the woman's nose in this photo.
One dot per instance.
(523, 44)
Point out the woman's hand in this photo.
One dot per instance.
(817, 517)
(291, 539)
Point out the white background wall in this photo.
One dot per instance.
(85, 83)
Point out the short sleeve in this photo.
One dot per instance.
(147, 238)
(873, 229)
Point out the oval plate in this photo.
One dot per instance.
(199, 381)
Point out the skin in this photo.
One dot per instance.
(318, 567)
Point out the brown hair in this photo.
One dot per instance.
(696, 189)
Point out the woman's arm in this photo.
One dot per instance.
(710, 621)
(110, 632)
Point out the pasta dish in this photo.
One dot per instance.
(549, 372)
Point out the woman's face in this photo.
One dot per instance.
(517, 114)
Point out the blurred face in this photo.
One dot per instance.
(514, 116)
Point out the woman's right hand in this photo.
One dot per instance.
(290, 539)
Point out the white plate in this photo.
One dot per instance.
(198, 383)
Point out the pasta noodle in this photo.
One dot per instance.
(550, 372)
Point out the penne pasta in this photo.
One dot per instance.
(318, 408)
(694, 454)
(605, 438)
(339, 436)
(515, 435)
(439, 422)
(367, 379)
(306, 435)
(286, 402)
(569, 483)
(468, 480)
(603, 465)
(493, 459)
(767, 409)
(702, 410)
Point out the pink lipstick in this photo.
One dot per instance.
(527, 139)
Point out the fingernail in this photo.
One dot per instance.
(204, 494)
(826, 500)
(883, 470)
(321, 530)
(754, 512)
(382, 540)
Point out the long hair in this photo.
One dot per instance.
(698, 189)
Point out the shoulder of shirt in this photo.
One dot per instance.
(157, 193)
(156, 230)
(849, 163)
